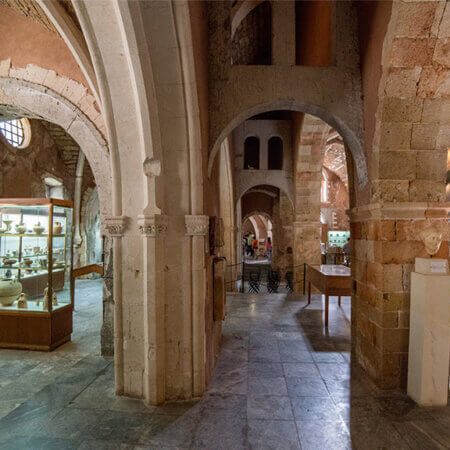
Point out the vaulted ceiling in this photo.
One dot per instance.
(32, 10)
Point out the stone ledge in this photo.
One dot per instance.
(153, 225)
(116, 225)
(403, 210)
(196, 225)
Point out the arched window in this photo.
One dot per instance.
(16, 132)
(275, 153)
(251, 153)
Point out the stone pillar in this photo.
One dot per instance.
(283, 33)
(306, 249)
(153, 229)
(197, 228)
(107, 330)
(115, 225)
(386, 241)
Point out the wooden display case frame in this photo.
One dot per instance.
(39, 330)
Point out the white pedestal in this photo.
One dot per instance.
(428, 360)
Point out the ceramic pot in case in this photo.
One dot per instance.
(38, 228)
(21, 228)
(57, 228)
(9, 291)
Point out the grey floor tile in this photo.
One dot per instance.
(300, 370)
(272, 435)
(324, 435)
(267, 386)
(328, 357)
(265, 370)
(264, 355)
(225, 434)
(269, 407)
(306, 387)
(169, 430)
(314, 409)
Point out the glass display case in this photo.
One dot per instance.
(338, 238)
(36, 294)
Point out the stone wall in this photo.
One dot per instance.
(252, 40)
(23, 170)
(407, 162)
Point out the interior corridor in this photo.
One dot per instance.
(281, 382)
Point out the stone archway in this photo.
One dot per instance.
(37, 101)
(353, 141)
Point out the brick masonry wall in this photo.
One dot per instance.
(384, 253)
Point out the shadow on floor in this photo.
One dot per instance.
(281, 382)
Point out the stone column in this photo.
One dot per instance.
(115, 225)
(386, 241)
(153, 229)
(107, 330)
(197, 227)
(306, 249)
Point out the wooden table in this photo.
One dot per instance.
(329, 280)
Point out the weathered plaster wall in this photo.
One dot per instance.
(26, 41)
(23, 170)
(373, 20)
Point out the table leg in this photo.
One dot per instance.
(309, 292)
(326, 310)
(339, 300)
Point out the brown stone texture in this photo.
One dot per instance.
(384, 255)
(251, 43)
(51, 152)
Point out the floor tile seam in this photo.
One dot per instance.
(91, 382)
(415, 424)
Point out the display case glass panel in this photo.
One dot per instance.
(338, 238)
(35, 255)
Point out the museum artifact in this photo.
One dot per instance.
(36, 261)
(57, 228)
(8, 223)
(9, 291)
(22, 302)
(38, 229)
(21, 228)
(432, 240)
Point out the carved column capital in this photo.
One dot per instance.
(196, 225)
(115, 225)
(153, 225)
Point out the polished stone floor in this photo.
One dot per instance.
(281, 382)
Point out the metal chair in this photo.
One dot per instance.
(254, 281)
(290, 281)
(273, 280)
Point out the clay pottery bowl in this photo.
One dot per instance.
(27, 262)
(9, 261)
(21, 228)
(9, 291)
(38, 228)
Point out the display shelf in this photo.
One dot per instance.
(34, 235)
(34, 327)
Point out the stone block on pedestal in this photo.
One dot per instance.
(428, 359)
